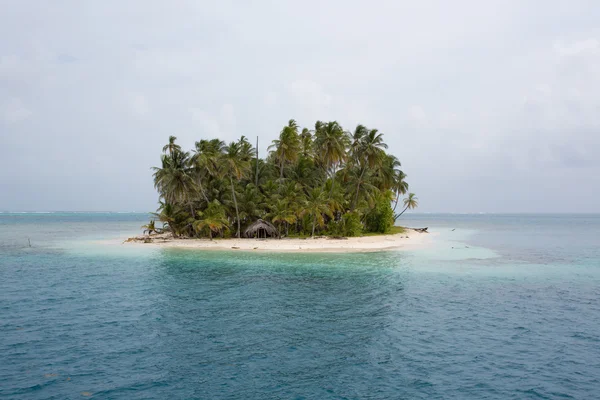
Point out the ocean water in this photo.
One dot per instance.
(498, 307)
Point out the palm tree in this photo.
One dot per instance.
(246, 149)
(368, 153)
(307, 144)
(357, 138)
(281, 213)
(174, 181)
(149, 227)
(287, 146)
(235, 165)
(399, 187)
(410, 202)
(317, 205)
(294, 195)
(386, 176)
(212, 219)
(360, 186)
(330, 144)
(171, 147)
(169, 216)
(251, 204)
(203, 164)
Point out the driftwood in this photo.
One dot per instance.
(422, 230)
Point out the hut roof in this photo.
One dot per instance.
(258, 225)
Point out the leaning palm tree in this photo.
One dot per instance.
(235, 165)
(410, 202)
(169, 216)
(399, 187)
(316, 205)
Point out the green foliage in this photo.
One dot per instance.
(381, 218)
(352, 224)
(312, 182)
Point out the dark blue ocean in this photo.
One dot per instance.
(498, 307)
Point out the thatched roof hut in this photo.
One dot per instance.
(261, 229)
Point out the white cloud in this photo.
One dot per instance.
(417, 114)
(222, 126)
(270, 99)
(591, 45)
(138, 104)
(309, 94)
(14, 111)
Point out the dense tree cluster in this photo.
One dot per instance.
(320, 181)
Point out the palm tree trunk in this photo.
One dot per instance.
(358, 189)
(332, 184)
(281, 171)
(396, 204)
(256, 180)
(237, 213)
(202, 190)
(405, 208)
(192, 210)
(313, 227)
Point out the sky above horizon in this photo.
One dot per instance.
(491, 106)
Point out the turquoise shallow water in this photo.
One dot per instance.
(502, 306)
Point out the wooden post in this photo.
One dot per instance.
(256, 163)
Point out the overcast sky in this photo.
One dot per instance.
(492, 106)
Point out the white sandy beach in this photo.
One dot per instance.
(408, 240)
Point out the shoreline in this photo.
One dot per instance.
(408, 240)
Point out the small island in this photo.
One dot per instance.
(326, 184)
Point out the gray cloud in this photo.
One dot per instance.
(491, 106)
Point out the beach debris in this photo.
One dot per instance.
(255, 248)
(453, 229)
(235, 247)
